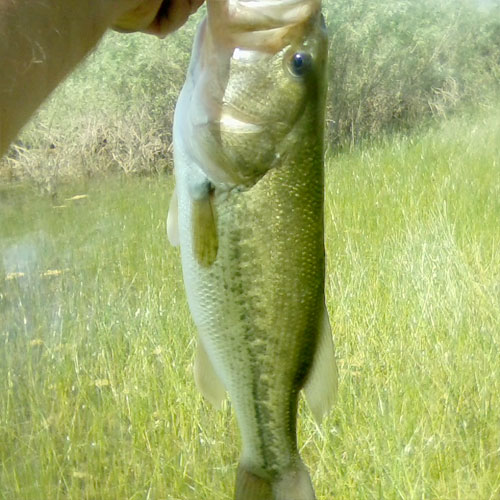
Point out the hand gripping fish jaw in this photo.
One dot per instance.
(266, 25)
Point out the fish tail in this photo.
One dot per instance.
(249, 486)
(294, 484)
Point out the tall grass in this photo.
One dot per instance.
(392, 66)
(97, 398)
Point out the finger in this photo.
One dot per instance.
(172, 15)
(140, 17)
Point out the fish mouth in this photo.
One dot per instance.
(266, 25)
(235, 121)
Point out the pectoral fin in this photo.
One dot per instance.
(173, 220)
(206, 379)
(205, 240)
(321, 386)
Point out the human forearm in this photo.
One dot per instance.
(41, 41)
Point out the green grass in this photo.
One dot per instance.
(97, 398)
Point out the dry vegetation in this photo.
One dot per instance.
(392, 66)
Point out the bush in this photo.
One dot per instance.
(395, 63)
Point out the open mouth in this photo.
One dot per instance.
(265, 25)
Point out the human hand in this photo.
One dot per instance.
(158, 17)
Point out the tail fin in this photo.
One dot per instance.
(252, 487)
(294, 484)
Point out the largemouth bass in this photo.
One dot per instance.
(248, 215)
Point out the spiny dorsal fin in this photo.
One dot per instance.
(321, 385)
(207, 381)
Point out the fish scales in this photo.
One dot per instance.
(250, 317)
(249, 217)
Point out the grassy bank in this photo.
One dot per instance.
(96, 343)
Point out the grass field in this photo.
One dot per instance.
(97, 400)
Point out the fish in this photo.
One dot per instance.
(248, 214)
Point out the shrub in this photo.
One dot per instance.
(395, 63)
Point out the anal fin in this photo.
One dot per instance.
(321, 386)
(206, 379)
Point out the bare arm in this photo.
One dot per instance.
(41, 41)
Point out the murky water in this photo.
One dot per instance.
(54, 249)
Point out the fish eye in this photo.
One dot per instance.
(300, 63)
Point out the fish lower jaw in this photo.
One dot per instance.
(266, 14)
(263, 25)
